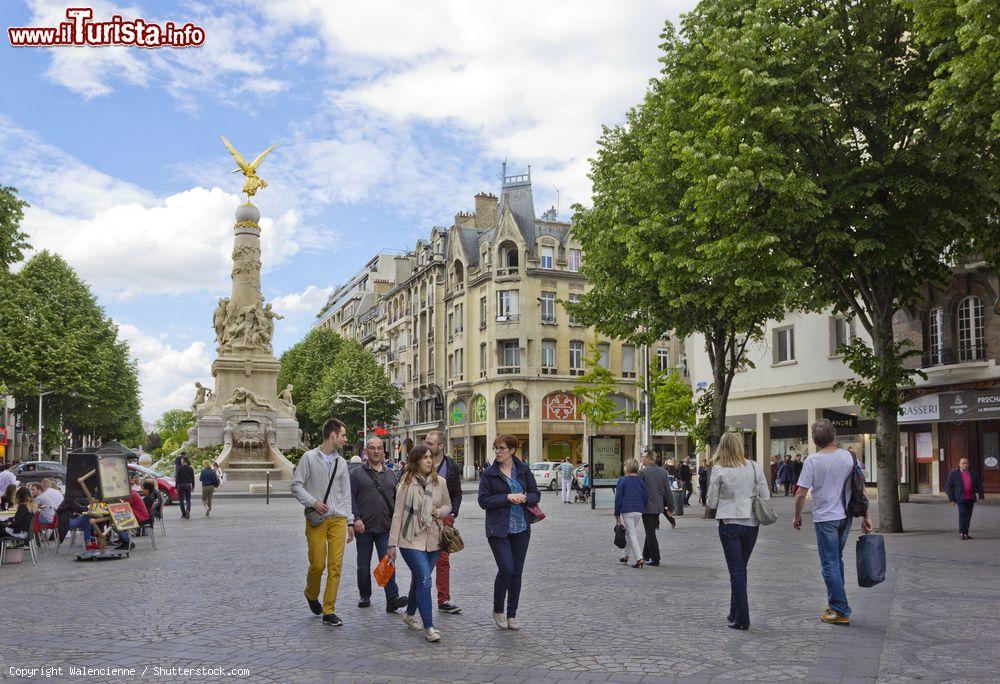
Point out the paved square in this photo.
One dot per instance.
(226, 592)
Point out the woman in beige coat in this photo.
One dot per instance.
(421, 502)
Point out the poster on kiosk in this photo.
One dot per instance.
(607, 465)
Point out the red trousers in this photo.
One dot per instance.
(443, 580)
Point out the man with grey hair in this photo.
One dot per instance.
(373, 497)
(825, 474)
(658, 500)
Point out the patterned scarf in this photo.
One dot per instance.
(417, 507)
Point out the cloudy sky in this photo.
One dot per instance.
(388, 118)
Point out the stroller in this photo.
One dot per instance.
(580, 494)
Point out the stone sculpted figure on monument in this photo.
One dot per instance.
(219, 319)
(285, 396)
(200, 396)
(269, 317)
(244, 398)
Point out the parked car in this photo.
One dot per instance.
(36, 471)
(165, 484)
(546, 474)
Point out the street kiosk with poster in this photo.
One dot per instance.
(97, 480)
(606, 465)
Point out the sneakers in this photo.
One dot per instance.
(500, 620)
(91, 546)
(432, 635)
(512, 623)
(395, 603)
(832, 617)
(449, 607)
(412, 621)
(332, 620)
(364, 603)
(315, 606)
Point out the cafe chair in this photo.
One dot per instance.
(148, 528)
(14, 543)
(42, 539)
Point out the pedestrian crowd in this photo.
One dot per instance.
(409, 512)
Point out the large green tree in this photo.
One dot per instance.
(665, 254)
(56, 338)
(13, 242)
(172, 428)
(303, 366)
(354, 370)
(835, 96)
(673, 405)
(595, 403)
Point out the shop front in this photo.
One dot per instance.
(966, 424)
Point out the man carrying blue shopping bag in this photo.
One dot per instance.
(831, 476)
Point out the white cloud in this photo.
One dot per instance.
(308, 301)
(166, 374)
(527, 80)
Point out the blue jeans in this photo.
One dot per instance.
(509, 553)
(831, 537)
(421, 564)
(82, 522)
(380, 542)
(737, 545)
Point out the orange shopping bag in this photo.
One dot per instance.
(384, 571)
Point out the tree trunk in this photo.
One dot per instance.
(886, 435)
(887, 451)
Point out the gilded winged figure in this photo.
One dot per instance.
(253, 183)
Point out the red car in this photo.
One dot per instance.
(163, 483)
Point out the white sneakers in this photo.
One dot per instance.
(432, 634)
(501, 620)
(512, 623)
(413, 622)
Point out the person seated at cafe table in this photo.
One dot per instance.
(20, 526)
(149, 495)
(7, 500)
(141, 515)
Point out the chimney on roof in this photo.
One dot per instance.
(486, 210)
(465, 219)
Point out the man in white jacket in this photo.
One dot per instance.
(322, 482)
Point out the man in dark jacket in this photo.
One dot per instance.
(658, 500)
(373, 498)
(684, 475)
(452, 473)
(184, 479)
(962, 487)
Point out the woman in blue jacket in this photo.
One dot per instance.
(630, 502)
(505, 489)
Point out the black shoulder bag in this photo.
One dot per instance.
(314, 517)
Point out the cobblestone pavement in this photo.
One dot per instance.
(226, 592)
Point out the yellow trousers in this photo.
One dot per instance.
(326, 550)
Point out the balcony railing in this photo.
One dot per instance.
(506, 271)
(954, 355)
(548, 320)
(549, 370)
(509, 370)
(509, 318)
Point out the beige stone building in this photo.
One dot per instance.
(473, 331)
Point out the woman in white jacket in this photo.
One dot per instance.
(731, 489)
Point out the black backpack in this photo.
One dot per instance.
(855, 501)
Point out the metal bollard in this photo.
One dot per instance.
(268, 498)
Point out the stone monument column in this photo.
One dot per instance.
(245, 412)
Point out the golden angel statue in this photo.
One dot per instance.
(252, 183)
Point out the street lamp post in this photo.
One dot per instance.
(40, 395)
(364, 406)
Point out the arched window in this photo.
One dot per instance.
(971, 346)
(456, 414)
(508, 258)
(458, 276)
(512, 406)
